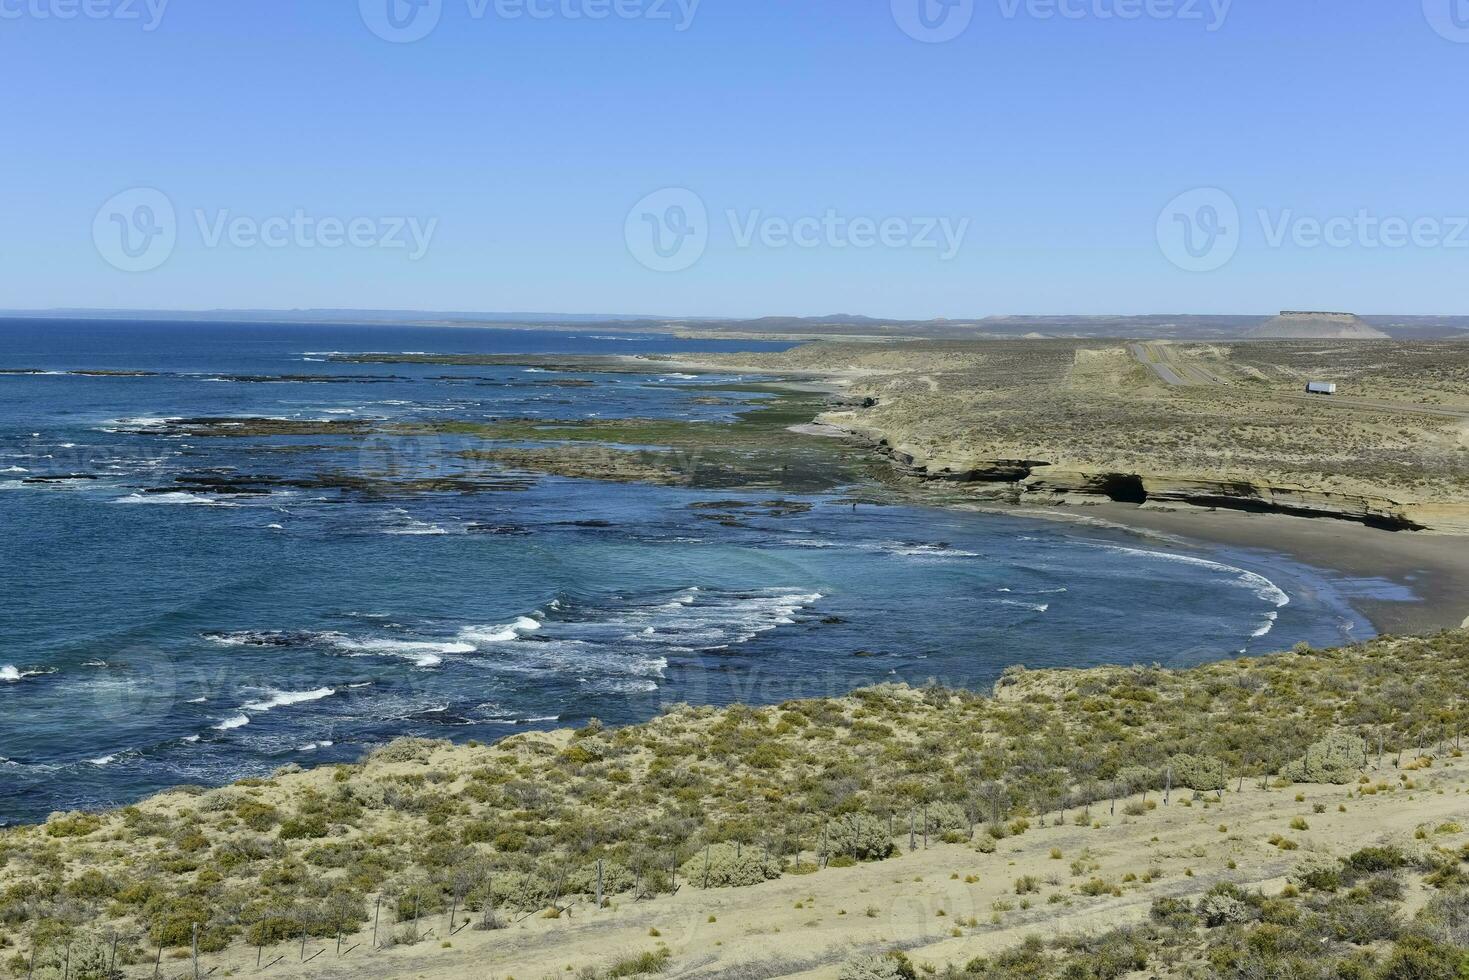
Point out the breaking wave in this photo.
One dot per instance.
(1259, 584)
(424, 653)
(283, 699)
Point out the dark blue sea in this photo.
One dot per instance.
(154, 633)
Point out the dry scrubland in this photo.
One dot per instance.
(1053, 419)
(819, 836)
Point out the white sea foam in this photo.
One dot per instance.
(192, 499)
(1259, 584)
(1268, 625)
(229, 724)
(694, 619)
(928, 551)
(1038, 607)
(14, 675)
(144, 422)
(624, 687)
(283, 699)
(105, 760)
(499, 634)
(413, 527)
(425, 653)
(15, 469)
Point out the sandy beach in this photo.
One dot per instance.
(1433, 565)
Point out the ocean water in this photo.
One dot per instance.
(154, 633)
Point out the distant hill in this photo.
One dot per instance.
(1183, 327)
(1293, 325)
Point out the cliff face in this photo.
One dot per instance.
(1039, 482)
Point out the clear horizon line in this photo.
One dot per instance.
(512, 315)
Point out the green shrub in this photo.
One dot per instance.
(1317, 873)
(859, 836)
(1336, 759)
(653, 961)
(257, 815)
(73, 824)
(881, 966)
(729, 866)
(1218, 909)
(1173, 912)
(304, 827)
(1198, 772)
(1373, 860)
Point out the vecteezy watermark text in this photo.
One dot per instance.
(1211, 13)
(405, 21)
(835, 230)
(1201, 230)
(1363, 230)
(138, 230)
(148, 13)
(669, 231)
(302, 230)
(937, 21)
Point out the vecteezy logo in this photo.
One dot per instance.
(1199, 231)
(401, 21)
(668, 230)
(1450, 18)
(933, 21)
(135, 231)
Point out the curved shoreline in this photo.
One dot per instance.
(1433, 565)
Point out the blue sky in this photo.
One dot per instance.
(520, 149)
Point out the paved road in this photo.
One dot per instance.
(1162, 360)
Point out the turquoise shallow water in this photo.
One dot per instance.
(152, 635)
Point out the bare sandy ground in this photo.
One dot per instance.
(1435, 567)
(946, 903)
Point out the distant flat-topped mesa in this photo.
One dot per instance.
(1298, 325)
